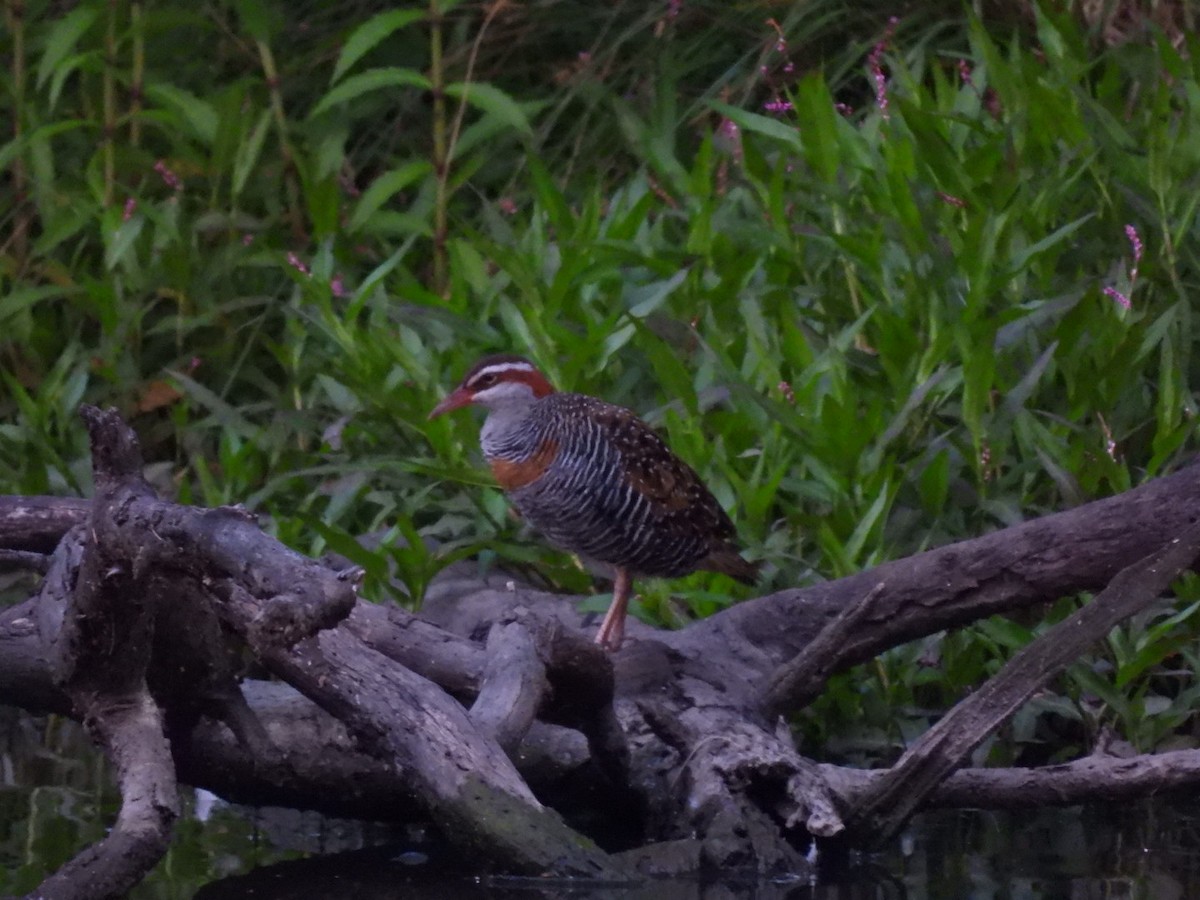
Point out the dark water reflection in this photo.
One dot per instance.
(55, 797)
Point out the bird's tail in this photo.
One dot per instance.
(728, 561)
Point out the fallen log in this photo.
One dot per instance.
(672, 748)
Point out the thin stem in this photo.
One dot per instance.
(493, 8)
(441, 160)
(110, 103)
(443, 148)
(137, 85)
(14, 17)
(267, 59)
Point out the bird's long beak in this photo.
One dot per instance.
(456, 398)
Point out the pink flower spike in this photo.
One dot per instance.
(295, 262)
(1120, 298)
(170, 179)
(1135, 241)
(1110, 445)
(951, 199)
(247, 239)
(875, 61)
(338, 287)
(728, 139)
(780, 40)
(130, 209)
(778, 106)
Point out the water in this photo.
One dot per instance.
(55, 797)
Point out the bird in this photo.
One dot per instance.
(597, 481)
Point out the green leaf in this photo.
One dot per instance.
(1018, 262)
(122, 241)
(248, 152)
(223, 412)
(63, 72)
(1021, 392)
(371, 33)
(373, 280)
(764, 125)
(370, 80)
(257, 18)
(199, 114)
(383, 188)
(934, 483)
(818, 125)
(858, 539)
(23, 298)
(9, 151)
(494, 102)
(645, 299)
(62, 40)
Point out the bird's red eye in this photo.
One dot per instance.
(486, 380)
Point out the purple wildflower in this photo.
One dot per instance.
(1110, 445)
(729, 138)
(170, 179)
(1135, 241)
(1122, 300)
(130, 209)
(296, 263)
(875, 61)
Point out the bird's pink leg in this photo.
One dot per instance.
(612, 629)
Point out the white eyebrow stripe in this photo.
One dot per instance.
(497, 368)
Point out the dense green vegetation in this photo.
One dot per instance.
(885, 286)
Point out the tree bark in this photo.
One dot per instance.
(673, 747)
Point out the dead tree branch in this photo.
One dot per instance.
(667, 741)
(942, 749)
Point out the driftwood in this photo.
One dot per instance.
(493, 710)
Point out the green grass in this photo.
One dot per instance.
(871, 332)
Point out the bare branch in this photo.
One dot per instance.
(942, 749)
(17, 560)
(799, 681)
(514, 685)
(37, 524)
(1035, 562)
(1093, 779)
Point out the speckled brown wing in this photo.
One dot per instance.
(680, 502)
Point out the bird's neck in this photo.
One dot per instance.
(508, 431)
